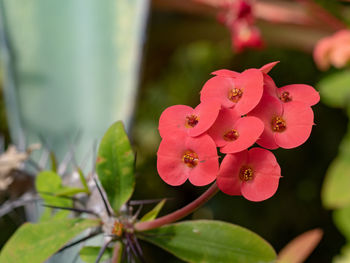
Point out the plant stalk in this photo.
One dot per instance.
(178, 214)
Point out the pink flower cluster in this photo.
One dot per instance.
(237, 16)
(236, 111)
(333, 50)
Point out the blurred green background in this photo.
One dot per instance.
(180, 52)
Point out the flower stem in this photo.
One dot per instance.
(178, 214)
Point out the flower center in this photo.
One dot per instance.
(190, 158)
(191, 121)
(285, 96)
(246, 173)
(278, 124)
(231, 135)
(117, 229)
(235, 95)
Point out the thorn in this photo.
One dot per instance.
(78, 210)
(102, 250)
(149, 201)
(133, 249)
(103, 198)
(137, 245)
(79, 241)
(134, 217)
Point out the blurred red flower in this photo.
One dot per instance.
(333, 50)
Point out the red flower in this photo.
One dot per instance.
(287, 125)
(238, 17)
(233, 133)
(267, 68)
(182, 157)
(233, 74)
(298, 92)
(245, 35)
(254, 174)
(182, 118)
(242, 93)
(333, 50)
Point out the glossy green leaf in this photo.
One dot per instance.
(154, 212)
(208, 241)
(89, 254)
(335, 89)
(341, 218)
(48, 183)
(35, 243)
(115, 165)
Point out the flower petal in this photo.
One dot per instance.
(301, 92)
(267, 173)
(299, 120)
(172, 170)
(249, 130)
(173, 120)
(207, 113)
(228, 180)
(269, 86)
(208, 161)
(226, 73)
(268, 108)
(224, 123)
(251, 83)
(267, 68)
(217, 88)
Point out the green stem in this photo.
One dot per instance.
(178, 214)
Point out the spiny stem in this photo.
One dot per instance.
(178, 214)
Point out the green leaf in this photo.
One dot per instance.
(35, 243)
(341, 218)
(89, 254)
(69, 191)
(47, 183)
(335, 89)
(154, 212)
(208, 241)
(48, 214)
(115, 165)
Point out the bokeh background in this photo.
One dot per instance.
(181, 48)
